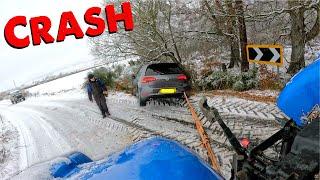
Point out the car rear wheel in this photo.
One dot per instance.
(135, 92)
(142, 102)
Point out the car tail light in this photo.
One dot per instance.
(182, 77)
(245, 142)
(147, 79)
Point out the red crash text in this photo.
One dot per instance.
(68, 26)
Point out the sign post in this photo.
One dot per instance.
(265, 54)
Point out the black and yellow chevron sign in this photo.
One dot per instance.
(265, 54)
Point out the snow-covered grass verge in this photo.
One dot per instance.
(9, 153)
(268, 93)
(266, 96)
(71, 94)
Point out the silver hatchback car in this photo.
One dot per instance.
(160, 80)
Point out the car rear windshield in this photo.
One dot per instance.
(162, 69)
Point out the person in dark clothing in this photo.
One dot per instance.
(98, 90)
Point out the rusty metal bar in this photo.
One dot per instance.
(204, 137)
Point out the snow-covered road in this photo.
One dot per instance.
(38, 139)
(51, 127)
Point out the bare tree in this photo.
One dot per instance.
(225, 26)
(188, 31)
(234, 43)
(299, 34)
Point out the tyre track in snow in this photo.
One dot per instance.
(220, 147)
(139, 128)
(241, 125)
(230, 105)
(257, 127)
(81, 133)
(248, 126)
(211, 132)
(158, 118)
(242, 107)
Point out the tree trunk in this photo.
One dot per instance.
(235, 54)
(233, 41)
(298, 37)
(242, 35)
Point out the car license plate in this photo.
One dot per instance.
(168, 91)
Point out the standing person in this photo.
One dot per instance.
(98, 90)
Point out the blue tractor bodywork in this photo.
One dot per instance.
(301, 94)
(155, 158)
(66, 169)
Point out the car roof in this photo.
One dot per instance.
(145, 66)
(160, 63)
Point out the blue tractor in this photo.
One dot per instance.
(162, 159)
(299, 141)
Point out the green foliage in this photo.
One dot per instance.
(107, 76)
(239, 86)
(252, 83)
(217, 80)
(115, 77)
(226, 80)
(118, 70)
(124, 84)
(246, 80)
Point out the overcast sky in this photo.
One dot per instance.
(26, 64)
